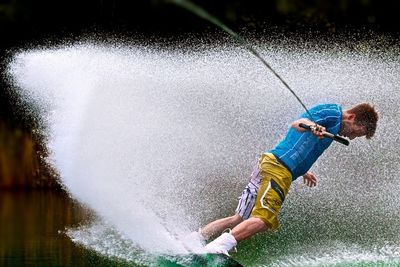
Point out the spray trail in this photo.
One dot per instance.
(205, 15)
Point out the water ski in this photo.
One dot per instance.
(198, 260)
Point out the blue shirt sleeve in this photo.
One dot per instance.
(327, 115)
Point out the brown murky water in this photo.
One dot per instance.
(32, 226)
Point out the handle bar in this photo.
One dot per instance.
(335, 137)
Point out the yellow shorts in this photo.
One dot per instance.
(275, 183)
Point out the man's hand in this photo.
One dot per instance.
(318, 130)
(315, 128)
(310, 179)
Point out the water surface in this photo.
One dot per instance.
(32, 231)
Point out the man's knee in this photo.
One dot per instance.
(236, 219)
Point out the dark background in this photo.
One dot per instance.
(26, 23)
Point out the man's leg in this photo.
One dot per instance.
(248, 228)
(217, 227)
(274, 186)
(195, 241)
(227, 241)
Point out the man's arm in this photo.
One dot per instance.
(315, 128)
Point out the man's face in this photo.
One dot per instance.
(352, 130)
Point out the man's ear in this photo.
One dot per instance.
(351, 117)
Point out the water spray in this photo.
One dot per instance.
(199, 11)
(138, 175)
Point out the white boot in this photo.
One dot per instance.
(222, 245)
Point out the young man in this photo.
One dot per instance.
(270, 181)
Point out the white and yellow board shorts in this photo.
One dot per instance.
(265, 193)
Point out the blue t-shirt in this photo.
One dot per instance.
(299, 150)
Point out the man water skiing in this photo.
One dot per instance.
(262, 199)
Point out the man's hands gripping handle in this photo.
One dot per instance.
(326, 134)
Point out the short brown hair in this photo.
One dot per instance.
(367, 116)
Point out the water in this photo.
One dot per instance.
(158, 142)
(32, 230)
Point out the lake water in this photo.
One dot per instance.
(32, 232)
